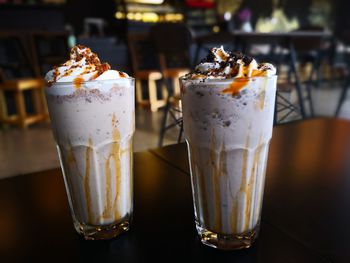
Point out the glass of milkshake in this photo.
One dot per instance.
(228, 106)
(92, 116)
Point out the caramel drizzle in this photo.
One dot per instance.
(122, 74)
(261, 98)
(258, 73)
(115, 156)
(78, 81)
(202, 192)
(107, 209)
(244, 167)
(71, 159)
(68, 72)
(219, 170)
(245, 188)
(253, 174)
(87, 181)
(249, 187)
(100, 69)
(236, 86)
(240, 82)
(221, 54)
(56, 73)
(216, 184)
(234, 213)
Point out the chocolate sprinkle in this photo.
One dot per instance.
(230, 61)
(247, 60)
(210, 57)
(225, 65)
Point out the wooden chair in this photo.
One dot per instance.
(172, 42)
(145, 70)
(17, 77)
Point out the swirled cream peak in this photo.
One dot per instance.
(220, 64)
(83, 65)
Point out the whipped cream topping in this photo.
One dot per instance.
(83, 65)
(220, 64)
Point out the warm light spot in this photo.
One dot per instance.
(152, 2)
(119, 15)
(130, 16)
(150, 17)
(173, 17)
(179, 17)
(169, 17)
(216, 29)
(138, 16)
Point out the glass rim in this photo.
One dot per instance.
(205, 81)
(61, 83)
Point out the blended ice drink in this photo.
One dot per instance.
(92, 116)
(228, 107)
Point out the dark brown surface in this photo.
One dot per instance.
(305, 211)
(307, 192)
(36, 224)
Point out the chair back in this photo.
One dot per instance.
(142, 52)
(15, 61)
(50, 49)
(172, 42)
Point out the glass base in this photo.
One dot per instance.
(227, 242)
(90, 232)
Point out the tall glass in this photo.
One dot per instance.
(93, 125)
(228, 137)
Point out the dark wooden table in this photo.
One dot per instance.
(305, 217)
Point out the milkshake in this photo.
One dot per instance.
(228, 106)
(92, 116)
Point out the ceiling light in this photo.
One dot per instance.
(152, 2)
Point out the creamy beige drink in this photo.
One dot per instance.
(228, 106)
(92, 114)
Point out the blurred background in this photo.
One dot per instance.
(156, 41)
